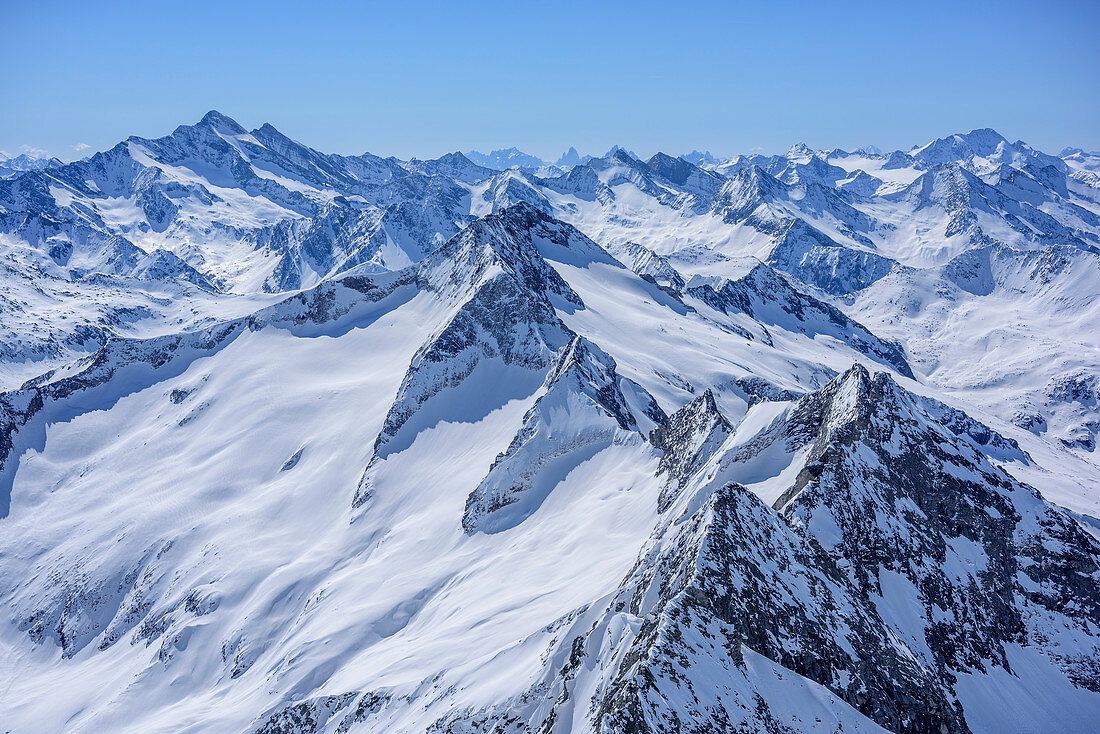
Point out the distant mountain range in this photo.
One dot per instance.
(506, 158)
(11, 165)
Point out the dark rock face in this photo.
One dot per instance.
(902, 495)
(1078, 388)
(737, 580)
(691, 436)
(313, 715)
(758, 390)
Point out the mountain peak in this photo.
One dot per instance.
(452, 165)
(570, 157)
(854, 380)
(688, 439)
(615, 150)
(221, 123)
(676, 170)
(455, 157)
(503, 159)
(270, 129)
(524, 210)
(982, 142)
(620, 154)
(804, 544)
(699, 157)
(755, 179)
(799, 150)
(870, 150)
(519, 237)
(582, 405)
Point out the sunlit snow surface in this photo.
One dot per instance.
(412, 482)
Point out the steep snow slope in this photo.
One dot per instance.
(256, 576)
(170, 537)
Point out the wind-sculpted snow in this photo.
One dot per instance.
(1027, 316)
(124, 366)
(99, 380)
(581, 409)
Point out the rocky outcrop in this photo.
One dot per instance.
(691, 436)
(928, 523)
(506, 294)
(646, 262)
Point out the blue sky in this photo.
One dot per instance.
(414, 78)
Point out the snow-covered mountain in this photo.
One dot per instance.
(299, 442)
(571, 158)
(13, 165)
(505, 158)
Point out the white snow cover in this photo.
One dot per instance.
(293, 441)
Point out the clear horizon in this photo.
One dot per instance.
(422, 79)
